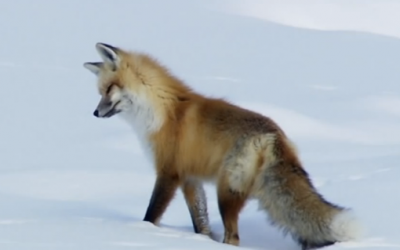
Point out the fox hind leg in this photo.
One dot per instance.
(230, 203)
(234, 186)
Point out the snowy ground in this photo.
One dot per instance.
(327, 71)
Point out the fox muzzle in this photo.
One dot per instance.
(106, 108)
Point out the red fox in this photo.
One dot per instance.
(191, 138)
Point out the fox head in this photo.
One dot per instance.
(137, 87)
(115, 97)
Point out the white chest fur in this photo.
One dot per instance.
(144, 121)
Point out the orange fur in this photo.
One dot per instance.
(193, 138)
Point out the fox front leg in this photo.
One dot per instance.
(196, 201)
(163, 192)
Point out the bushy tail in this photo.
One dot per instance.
(294, 205)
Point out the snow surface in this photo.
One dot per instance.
(327, 71)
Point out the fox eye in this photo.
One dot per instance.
(109, 89)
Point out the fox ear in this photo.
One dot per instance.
(94, 67)
(109, 54)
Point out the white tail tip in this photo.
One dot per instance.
(346, 227)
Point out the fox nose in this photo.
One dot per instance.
(96, 113)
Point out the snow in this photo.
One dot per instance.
(326, 71)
